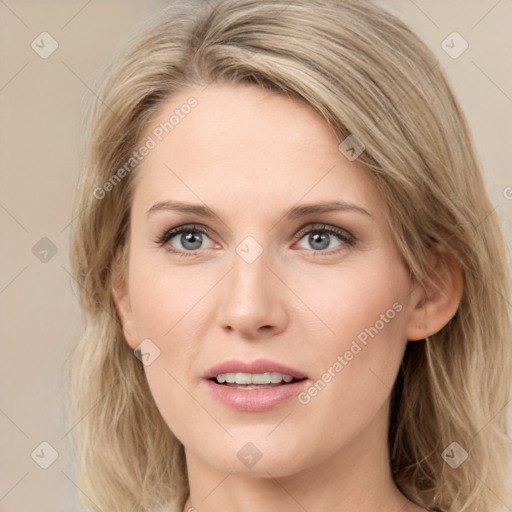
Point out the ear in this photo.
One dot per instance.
(438, 299)
(119, 288)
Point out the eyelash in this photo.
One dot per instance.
(343, 236)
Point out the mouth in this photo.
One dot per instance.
(248, 381)
(254, 386)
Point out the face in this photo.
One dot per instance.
(256, 245)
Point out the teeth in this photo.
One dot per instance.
(253, 378)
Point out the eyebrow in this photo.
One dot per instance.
(293, 213)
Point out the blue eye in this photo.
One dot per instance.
(190, 238)
(319, 237)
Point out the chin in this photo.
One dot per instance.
(257, 457)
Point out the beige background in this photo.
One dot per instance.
(42, 102)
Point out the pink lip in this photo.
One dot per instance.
(257, 366)
(254, 400)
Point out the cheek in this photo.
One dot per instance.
(172, 398)
(162, 296)
(166, 311)
(363, 302)
(359, 361)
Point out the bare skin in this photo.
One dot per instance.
(249, 156)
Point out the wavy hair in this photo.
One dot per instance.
(369, 76)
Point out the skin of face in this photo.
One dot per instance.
(250, 155)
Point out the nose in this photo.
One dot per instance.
(252, 300)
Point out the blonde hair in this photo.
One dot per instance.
(369, 76)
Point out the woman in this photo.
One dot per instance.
(294, 282)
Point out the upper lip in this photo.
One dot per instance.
(256, 366)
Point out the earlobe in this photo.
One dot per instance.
(121, 298)
(438, 298)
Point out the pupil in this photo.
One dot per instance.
(322, 238)
(189, 238)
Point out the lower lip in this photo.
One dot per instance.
(255, 400)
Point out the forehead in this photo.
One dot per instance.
(241, 143)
